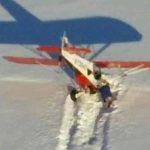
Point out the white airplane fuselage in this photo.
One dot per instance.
(81, 65)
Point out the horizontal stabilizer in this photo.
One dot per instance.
(31, 60)
(122, 64)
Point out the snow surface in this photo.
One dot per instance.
(32, 97)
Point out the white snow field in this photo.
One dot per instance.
(33, 98)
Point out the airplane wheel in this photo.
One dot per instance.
(73, 95)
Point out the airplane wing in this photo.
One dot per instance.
(55, 49)
(51, 49)
(122, 64)
(31, 60)
(75, 50)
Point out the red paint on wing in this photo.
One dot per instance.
(52, 49)
(76, 50)
(122, 64)
(55, 49)
(31, 60)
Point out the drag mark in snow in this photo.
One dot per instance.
(101, 132)
(81, 117)
(105, 131)
(89, 110)
(67, 123)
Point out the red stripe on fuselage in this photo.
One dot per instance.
(81, 80)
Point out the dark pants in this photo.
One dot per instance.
(105, 92)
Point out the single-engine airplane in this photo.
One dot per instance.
(87, 74)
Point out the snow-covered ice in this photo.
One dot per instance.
(32, 98)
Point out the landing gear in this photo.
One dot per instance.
(76, 93)
(73, 94)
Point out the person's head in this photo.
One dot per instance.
(97, 73)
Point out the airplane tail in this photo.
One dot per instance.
(65, 41)
(72, 49)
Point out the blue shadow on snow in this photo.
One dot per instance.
(28, 29)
